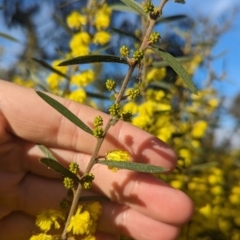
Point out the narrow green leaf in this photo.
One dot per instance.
(165, 64)
(136, 7)
(49, 67)
(93, 59)
(97, 95)
(177, 67)
(46, 151)
(161, 85)
(122, 8)
(171, 18)
(4, 35)
(57, 167)
(65, 112)
(138, 167)
(125, 34)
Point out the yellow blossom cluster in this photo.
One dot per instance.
(98, 19)
(84, 221)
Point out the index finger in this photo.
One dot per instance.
(27, 116)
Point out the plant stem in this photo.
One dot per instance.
(132, 65)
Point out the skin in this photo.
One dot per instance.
(142, 206)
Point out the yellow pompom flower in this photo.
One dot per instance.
(117, 155)
(80, 223)
(206, 210)
(102, 21)
(23, 82)
(199, 129)
(102, 18)
(42, 236)
(79, 44)
(84, 78)
(53, 80)
(94, 209)
(156, 74)
(76, 20)
(47, 218)
(213, 102)
(101, 37)
(131, 106)
(78, 95)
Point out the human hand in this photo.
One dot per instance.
(142, 206)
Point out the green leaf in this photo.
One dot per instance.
(57, 167)
(136, 7)
(93, 59)
(122, 8)
(165, 64)
(4, 35)
(49, 67)
(161, 85)
(177, 67)
(65, 112)
(47, 152)
(171, 18)
(138, 167)
(125, 34)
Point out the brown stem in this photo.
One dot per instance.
(132, 65)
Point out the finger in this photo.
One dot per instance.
(143, 193)
(17, 226)
(120, 219)
(34, 120)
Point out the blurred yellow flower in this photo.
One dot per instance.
(47, 218)
(118, 155)
(95, 209)
(102, 21)
(199, 129)
(214, 102)
(78, 95)
(156, 74)
(53, 80)
(206, 210)
(102, 18)
(101, 37)
(80, 223)
(23, 82)
(130, 106)
(76, 20)
(83, 78)
(42, 236)
(79, 44)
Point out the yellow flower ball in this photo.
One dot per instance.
(76, 20)
(217, 190)
(234, 199)
(206, 210)
(101, 38)
(78, 95)
(199, 129)
(177, 184)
